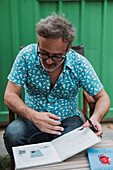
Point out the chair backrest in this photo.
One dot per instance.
(21, 47)
(79, 49)
(86, 98)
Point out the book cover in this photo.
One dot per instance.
(100, 158)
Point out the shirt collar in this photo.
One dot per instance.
(68, 61)
(38, 62)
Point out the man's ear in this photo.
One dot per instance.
(69, 47)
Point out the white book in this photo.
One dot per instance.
(55, 151)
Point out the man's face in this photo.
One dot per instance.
(52, 47)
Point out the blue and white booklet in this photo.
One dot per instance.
(55, 151)
(100, 158)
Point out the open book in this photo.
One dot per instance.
(55, 151)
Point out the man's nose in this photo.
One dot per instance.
(49, 61)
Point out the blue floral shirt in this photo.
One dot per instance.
(62, 100)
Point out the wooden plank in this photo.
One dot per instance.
(63, 166)
(104, 143)
(88, 168)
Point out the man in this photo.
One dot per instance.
(51, 74)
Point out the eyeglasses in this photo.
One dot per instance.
(45, 56)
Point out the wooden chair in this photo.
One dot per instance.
(86, 100)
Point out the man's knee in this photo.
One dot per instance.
(13, 134)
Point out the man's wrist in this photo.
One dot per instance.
(95, 117)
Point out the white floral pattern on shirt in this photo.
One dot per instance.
(62, 100)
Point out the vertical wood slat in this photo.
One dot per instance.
(103, 45)
(15, 27)
(36, 13)
(82, 38)
(60, 5)
(85, 108)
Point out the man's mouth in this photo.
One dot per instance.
(49, 65)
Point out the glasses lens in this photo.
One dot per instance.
(58, 59)
(42, 55)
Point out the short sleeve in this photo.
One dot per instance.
(88, 78)
(18, 72)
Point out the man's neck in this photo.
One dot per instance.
(55, 75)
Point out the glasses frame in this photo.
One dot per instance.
(52, 57)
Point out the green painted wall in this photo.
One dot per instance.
(92, 18)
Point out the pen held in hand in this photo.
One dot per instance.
(93, 126)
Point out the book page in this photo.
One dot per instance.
(75, 142)
(35, 155)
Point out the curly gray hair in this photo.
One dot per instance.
(55, 27)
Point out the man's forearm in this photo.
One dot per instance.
(101, 108)
(15, 103)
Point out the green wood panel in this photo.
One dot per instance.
(26, 22)
(92, 30)
(92, 18)
(47, 8)
(107, 69)
(5, 48)
(72, 13)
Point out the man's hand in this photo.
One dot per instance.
(46, 123)
(102, 104)
(96, 124)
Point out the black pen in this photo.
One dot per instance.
(93, 126)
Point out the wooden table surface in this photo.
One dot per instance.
(77, 162)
